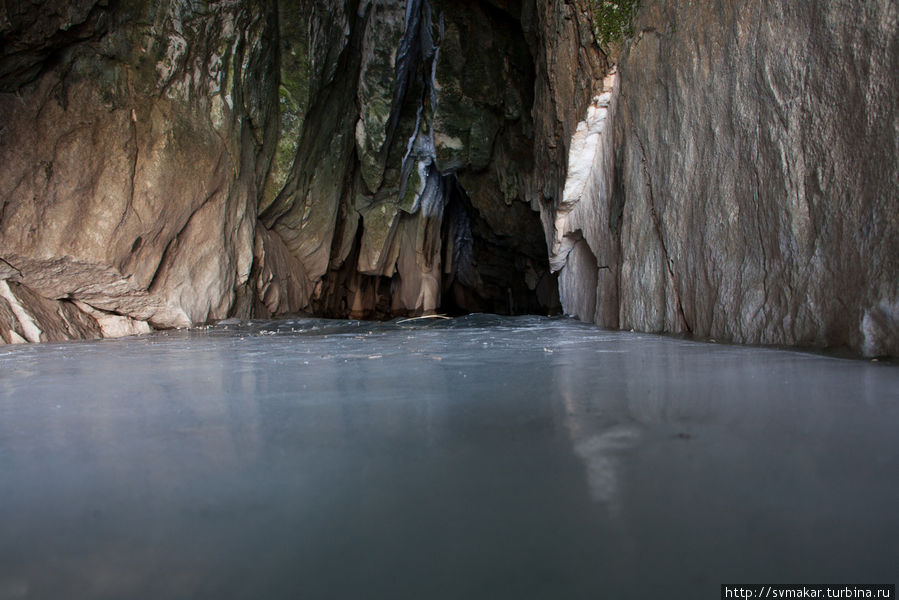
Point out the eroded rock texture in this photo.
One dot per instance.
(427, 193)
(134, 143)
(176, 162)
(751, 194)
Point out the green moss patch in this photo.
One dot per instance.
(613, 20)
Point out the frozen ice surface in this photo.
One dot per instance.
(483, 457)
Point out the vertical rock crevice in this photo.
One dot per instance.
(583, 249)
(681, 326)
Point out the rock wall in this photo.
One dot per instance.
(134, 143)
(427, 193)
(172, 163)
(747, 190)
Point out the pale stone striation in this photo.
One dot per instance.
(754, 188)
(582, 250)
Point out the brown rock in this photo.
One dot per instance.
(129, 165)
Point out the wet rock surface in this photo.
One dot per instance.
(416, 161)
(436, 207)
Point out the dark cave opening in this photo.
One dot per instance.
(480, 271)
(490, 272)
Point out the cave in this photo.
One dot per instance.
(478, 270)
(408, 237)
(448, 299)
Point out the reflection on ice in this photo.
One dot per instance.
(482, 457)
(600, 453)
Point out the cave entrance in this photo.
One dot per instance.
(435, 214)
(449, 259)
(486, 271)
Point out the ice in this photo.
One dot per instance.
(478, 457)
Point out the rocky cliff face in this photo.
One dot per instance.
(177, 162)
(417, 155)
(744, 187)
(135, 141)
(180, 162)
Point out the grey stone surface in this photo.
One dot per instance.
(760, 162)
(754, 193)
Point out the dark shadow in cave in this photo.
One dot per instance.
(490, 272)
(481, 271)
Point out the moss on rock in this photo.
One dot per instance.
(613, 20)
